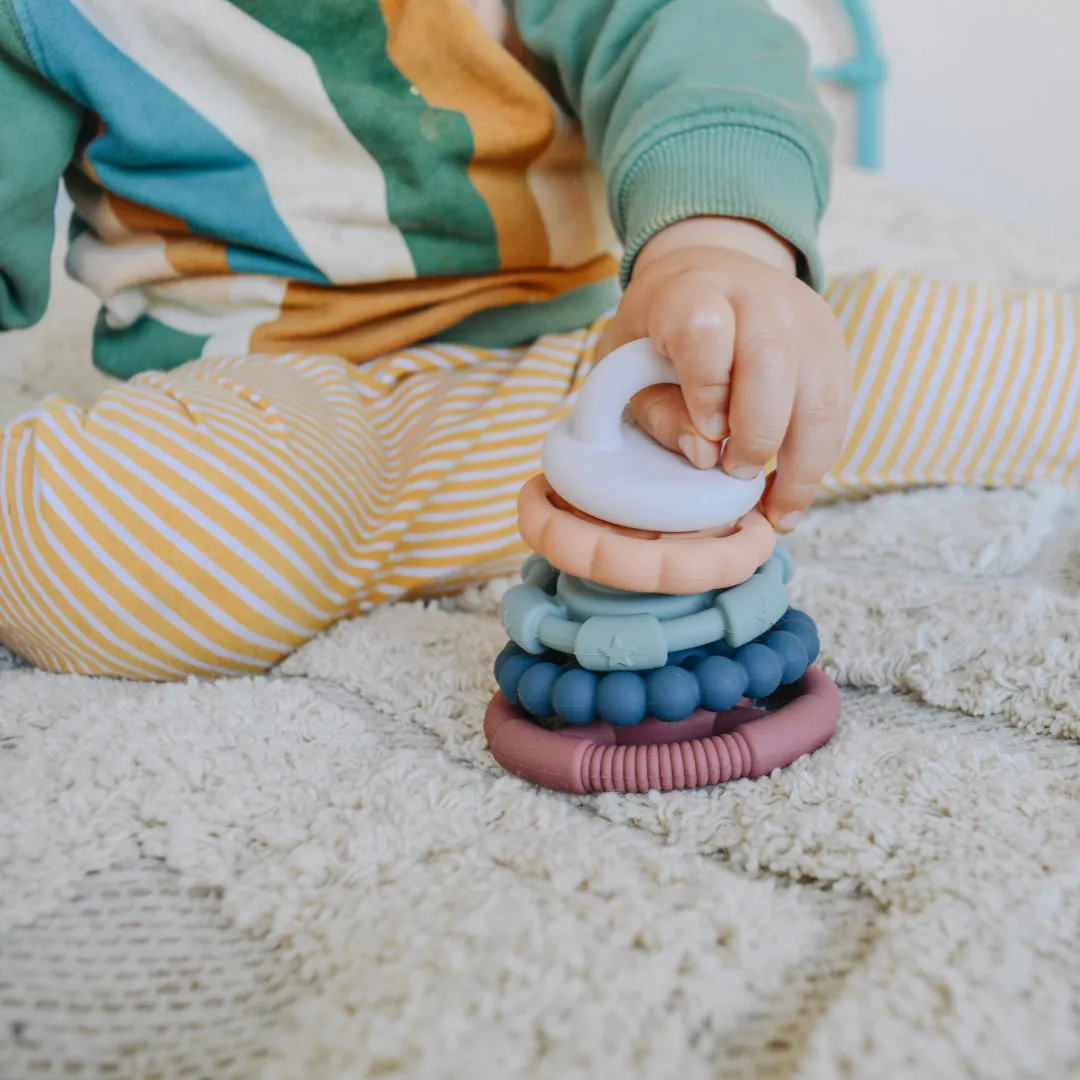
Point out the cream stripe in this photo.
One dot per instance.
(422, 556)
(265, 95)
(501, 522)
(858, 323)
(243, 302)
(493, 491)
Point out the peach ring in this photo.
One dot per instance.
(640, 561)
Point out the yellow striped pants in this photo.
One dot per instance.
(211, 519)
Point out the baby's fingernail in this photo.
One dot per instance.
(742, 472)
(714, 427)
(789, 521)
(694, 449)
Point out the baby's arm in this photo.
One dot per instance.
(691, 108)
(39, 129)
(715, 149)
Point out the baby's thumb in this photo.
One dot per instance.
(660, 411)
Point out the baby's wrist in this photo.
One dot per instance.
(732, 234)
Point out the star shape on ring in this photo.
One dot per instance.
(618, 654)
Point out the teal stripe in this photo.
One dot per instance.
(146, 346)
(424, 153)
(39, 129)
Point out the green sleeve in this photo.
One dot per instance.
(39, 129)
(692, 107)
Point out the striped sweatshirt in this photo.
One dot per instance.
(353, 176)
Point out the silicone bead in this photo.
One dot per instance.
(620, 699)
(802, 626)
(573, 698)
(510, 674)
(511, 648)
(535, 686)
(790, 650)
(723, 683)
(523, 608)
(763, 670)
(630, 642)
(795, 615)
(671, 694)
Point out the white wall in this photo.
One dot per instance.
(982, 104)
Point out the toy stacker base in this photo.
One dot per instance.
(702, 750)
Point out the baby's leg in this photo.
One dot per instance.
(203, 521)
(957, 384)
(462, 461)
(212, 519)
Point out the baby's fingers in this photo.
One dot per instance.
(763, 386)
(692, 323)
(816, 435)
(660, 411)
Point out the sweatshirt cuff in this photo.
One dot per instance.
(722, 171)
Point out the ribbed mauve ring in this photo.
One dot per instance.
(702, 750)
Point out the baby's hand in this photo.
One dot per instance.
(761, 359)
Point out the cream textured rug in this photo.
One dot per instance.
(321, 875)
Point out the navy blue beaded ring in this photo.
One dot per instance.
(713, 677)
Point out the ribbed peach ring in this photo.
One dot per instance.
(670, 563)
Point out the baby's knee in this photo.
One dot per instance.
(134, 545)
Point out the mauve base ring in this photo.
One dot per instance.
(702, 750)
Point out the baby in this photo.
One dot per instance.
(356, 256)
